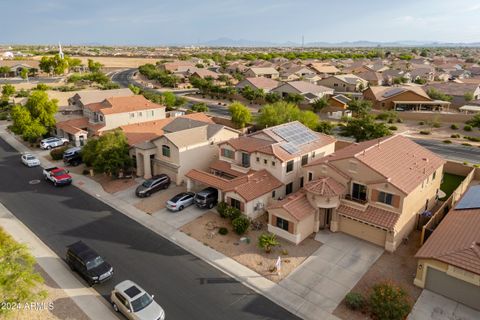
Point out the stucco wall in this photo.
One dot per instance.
(113, 121)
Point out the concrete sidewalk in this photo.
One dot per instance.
(281, 295)
(91, 303)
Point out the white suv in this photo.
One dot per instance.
(135, 303)
(53, 142)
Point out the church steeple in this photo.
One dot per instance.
(60, 52)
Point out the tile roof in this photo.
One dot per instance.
(263, 70)
(325, 186)
(453, 88)
(192, 136)
(306, 87)
(456, 241)
(224, 166)
(382, 93)
(324, 68)
(399, 159)
(297, 205)
(248, 143)
(114, 105)
(373, 215)
(73, 126)
(91, 96)
(259, 83)
(249, 186)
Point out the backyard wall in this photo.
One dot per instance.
(428, 116)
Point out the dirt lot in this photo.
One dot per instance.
(399, 267)
(117, 62)
(63, 306)
(112, 185)
(205, 230)
(157, 201)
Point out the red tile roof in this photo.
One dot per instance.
(297, 205)
(399, 159)
(456, 241)
(325, 186)
(73, 126)
(114, 105)
(248, 144)
(225, 166)
(376, 216)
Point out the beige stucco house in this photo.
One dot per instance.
(344, 83)
(267, 72)
(373, 190)
(262, 166)
(308, 90)
(449, 261)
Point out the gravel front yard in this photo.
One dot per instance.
(205, 230)
(157, 200)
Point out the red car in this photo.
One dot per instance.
(59, 176)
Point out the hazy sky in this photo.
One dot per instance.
(155, 22)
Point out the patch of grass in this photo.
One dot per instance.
(450, 182)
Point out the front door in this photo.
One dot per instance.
(327, 218)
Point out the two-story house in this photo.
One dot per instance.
(256, 168)
(373, 190)
(267, 72)
(109, 114)
(344, 83)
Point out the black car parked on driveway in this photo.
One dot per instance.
(149, 186)
(207, 198)
(84, 260)
(72, 156)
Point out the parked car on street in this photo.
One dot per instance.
(135, 303)
(180, 201)
(72, 156)
(207, 198)
(89, 264)
(53, 142)
(152, 185)
(58, 176)
(30, 160)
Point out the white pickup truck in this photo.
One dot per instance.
(58, 176)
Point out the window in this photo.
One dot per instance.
(352, 166)
(151, 113)
(245, 160)
(139, 114)
(310, 176)
(282, 223)
(100, 117)
(301, 182)
(290, 166)
(258, 159)
(313, 154)
(166, 151)
(132, 115)
(289, 188)
(273, 163)
(304, 159)
(235, 203)
(273, 194)
(228, 153)
(265, 161)
(359, 192)
(434, 175)
(385, 197)
(335, 84)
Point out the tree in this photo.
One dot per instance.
(21, 119)
(267, 241)
(475, 121)
(94, 66)
(108, 153)
(24, 74)
(438, 95)
(365, 128)
(360, 107)
(241, 115)
(272, 97)
(294, 98)
(34, 131)
(169, 99)
(468, 96)
(319, 104)
(134, 89)
(4, 70)
(8, 90)
(283, 112)
(325, 127)
(54, 64)
(20, 282)
(390, 302)
(42, 108)
(309, 119)
(200, 107)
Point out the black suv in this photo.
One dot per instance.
(72, 156)
(88, 263)
(152, 185)
(207, 198)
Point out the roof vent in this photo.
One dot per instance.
(425, 159)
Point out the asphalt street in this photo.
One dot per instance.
(184, 285)
(454, 152)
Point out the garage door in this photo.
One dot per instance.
(363, 231)
(453, 288)
(172, 173)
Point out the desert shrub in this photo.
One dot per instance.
(223, 231)
(474, 139)
(454, 127)
(455, 135)
(221, 208)
(240, 224)
(232, 213)
(267, 241)
(389, 302)
(467, 128)
(466, 144)
(3, 116)
(354, 301)
(393, 128)
(421, 123)
(447, 141)
(57, 154)
(425, 132)
(85, 172)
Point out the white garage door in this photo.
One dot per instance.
(453, 288)
(363, 231)
(166, 170)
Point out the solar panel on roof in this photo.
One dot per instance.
(296, 134)
(392, 92)
(470, 200)
(289, 147)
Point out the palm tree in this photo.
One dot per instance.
(267, 241)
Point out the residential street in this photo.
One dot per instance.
(185, 286)
(453, 152)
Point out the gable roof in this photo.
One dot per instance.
(324, 67)
(304, 87)
(454, 88)
(404, 163)
(383, 93)
(297, 205)
(373, 215)
(266, 84)
(325, 187)
(91, 96)
(113, 105)
(192, 136)
(456, 241)
(264, 70)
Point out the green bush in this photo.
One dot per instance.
(455, 135)
(454, 127)
(467, 128)
(466, 144)
(389, 302)
(421, 123)
(354, 301)
(221, 208)
(223, 231)
(425, 132)
(393, 128)
(267, 241)
(57, 154)
(436, 125)
(474, 139)
(447, 141)
(232, 213)
(240, 224)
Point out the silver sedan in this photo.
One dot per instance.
(30, 160)
(180, 201)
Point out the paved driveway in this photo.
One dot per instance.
(432, 306)
(333, 270)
